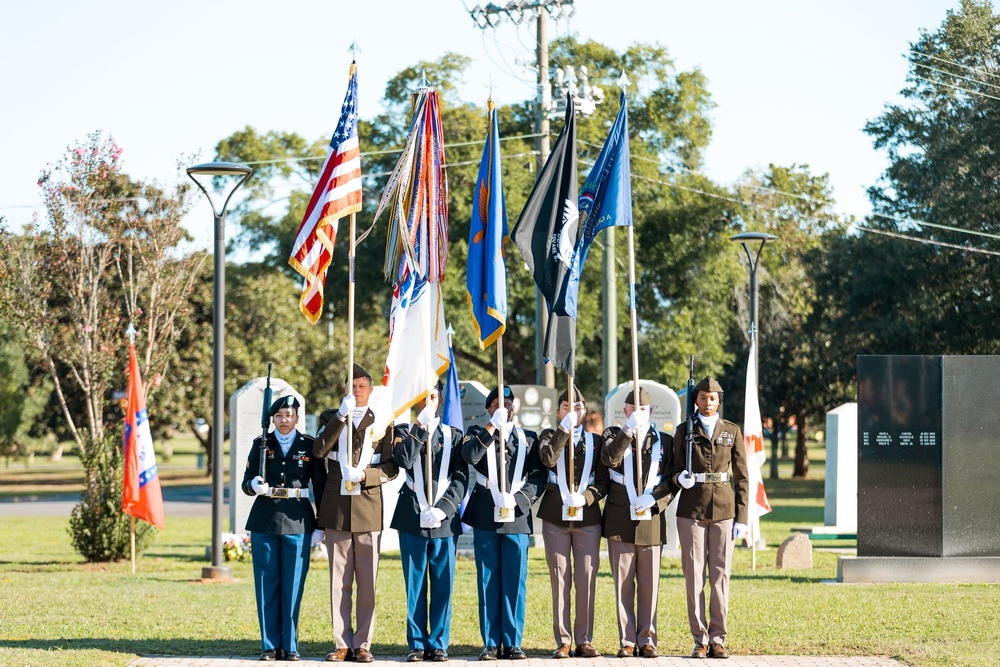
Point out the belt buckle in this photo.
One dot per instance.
(279, 492)
(713, 477)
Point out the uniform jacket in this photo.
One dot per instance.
(722, 452)
(362, 513)
(479, 512)
(618, 522)
(409, 450)
(552, 446)
(284, 516)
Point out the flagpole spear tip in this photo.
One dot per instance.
(623, 81)
(354, 49)
(424, 83)
(131, 332)
(450, 332)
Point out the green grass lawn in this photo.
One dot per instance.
(56, 610)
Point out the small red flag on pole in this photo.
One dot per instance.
(141, 495)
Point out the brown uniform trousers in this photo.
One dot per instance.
(634, 547)
(705, 516)
(353, 527)
(572, 548)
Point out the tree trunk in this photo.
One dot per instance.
(775, 426)
(801, 454)
(206, 444)
(784, 443)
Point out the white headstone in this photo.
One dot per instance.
(473, 403)
(841, 492)
(665, 414)
(245, 410)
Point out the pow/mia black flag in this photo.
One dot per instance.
(547, 233)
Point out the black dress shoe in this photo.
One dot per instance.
(290, 656)
(437, 655)
(516, 654)
(269, 656)
(416, 655)
(489, 653)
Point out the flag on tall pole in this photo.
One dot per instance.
(547, 233)
(451, 406)
(337, 194)
(753, 441)
(605, 201)
(486, 274)
(141, 494)
(416, 257)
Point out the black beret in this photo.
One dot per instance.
(284, 402)
(508, 393)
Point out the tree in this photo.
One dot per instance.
(107, 256)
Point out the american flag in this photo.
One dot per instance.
(337, 194)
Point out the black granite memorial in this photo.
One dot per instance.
(928, 448)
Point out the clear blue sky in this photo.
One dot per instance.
(794, 81)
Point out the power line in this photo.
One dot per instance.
(957, 64)
(958, 76)
(964, 90)
(928, 241)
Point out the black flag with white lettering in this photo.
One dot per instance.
(547, 233)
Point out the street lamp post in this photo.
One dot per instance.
(215, 169)
(743, 239)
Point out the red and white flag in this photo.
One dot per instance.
(141, 495)
(753, 441)
(337, 194)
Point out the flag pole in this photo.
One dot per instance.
(635, 348)
(132, 540)
(428, 450)
(753, 501)
(572, 445)
(500, 397)
(350, 330)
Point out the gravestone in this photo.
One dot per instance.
(473, 395)
(795, 553)
(665, 413)
(927, 500)
(245, 408)
(841, 486)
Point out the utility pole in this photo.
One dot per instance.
(490, 17)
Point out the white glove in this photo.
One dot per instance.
(507, 501)
(426, 416)
(317, 537)
(576, 500)
(570, 421)
(259, 486)
(353, 474)
(499, 419)
(428, 519)
(685, 479)
(347, 406)
(739, 531)
(644, 502)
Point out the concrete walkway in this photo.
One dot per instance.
(463, 661)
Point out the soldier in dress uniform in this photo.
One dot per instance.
(571, 524)
(501, 548)
(634, 524)
(282, 526)
(351, 513)
(429, 525)
(711, 514)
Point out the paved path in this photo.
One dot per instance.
(665, 661)
(182, 501)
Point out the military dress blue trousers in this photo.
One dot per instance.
(434, 559)
(280, 564)
(502, 561)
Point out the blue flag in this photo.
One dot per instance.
(486, 273)
(605, 200)
(451, 406)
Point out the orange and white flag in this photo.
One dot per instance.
(141, 494)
